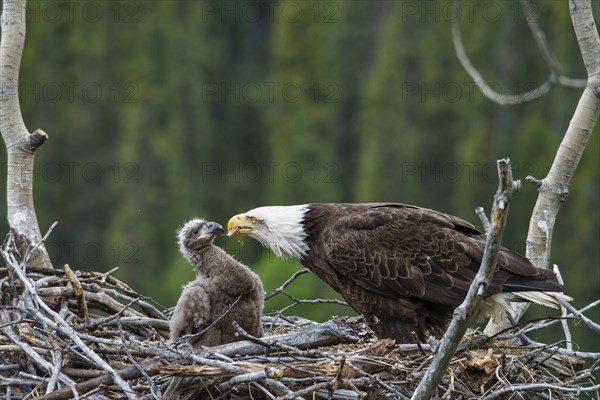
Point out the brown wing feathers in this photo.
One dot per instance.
(407, 266)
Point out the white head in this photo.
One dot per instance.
(279, 228)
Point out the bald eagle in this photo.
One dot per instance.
(405, 268)
(224, 291)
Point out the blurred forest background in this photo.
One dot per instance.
(159, 111)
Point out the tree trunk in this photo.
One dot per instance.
(20, 144)
(554, 188)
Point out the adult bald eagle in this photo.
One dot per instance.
(224, 291)
(403, 267)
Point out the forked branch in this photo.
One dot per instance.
(469, 308)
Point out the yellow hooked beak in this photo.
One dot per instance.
(240, 224)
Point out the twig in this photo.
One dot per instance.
(340, 394)
(570, 353)
(58, 359)
(539, 386)
(306, 390)
(483, 218)
(35, 247)
(340, 371)
(79, 294)
(540, 39)
(20, 382)
(82, 373)
(159, 324)
(153, 389)
(264, 390)
(105, 321)
(470, 306)
(554, 320)
(483, 86)
(324, 334)
(216, 363)
(9, 367)
(203, 331)
(590, 324)
(297, 302)
(277, 385)
(553, 79)
(148, 308)
(563, 313)
(249, 377)
(287, 283)
(48, 232)
(245, 335)
(172, 388)
(418, 342)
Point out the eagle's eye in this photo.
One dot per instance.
(253, 220)
(195, 231)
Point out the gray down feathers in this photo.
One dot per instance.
(224, 291)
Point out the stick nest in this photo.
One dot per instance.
(74, 334)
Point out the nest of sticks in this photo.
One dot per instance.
(74, 334)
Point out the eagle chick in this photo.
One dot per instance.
(224, 291)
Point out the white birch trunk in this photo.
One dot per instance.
(554, 188)
(20, 144)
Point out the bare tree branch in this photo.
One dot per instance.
(317, 335)
(535, 327)
(555, 78)
(286, 283)
(469, 308)
(79, 294)
(249, 377)
(563, 312)
(58, 360)
(523, 388)
(591, 324)
(540, 39)
(483, 218)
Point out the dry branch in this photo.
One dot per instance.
(554, 78)
(317, 335)
(78, 291)
(466, 312)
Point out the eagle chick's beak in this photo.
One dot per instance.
(239, 224)
(215, 228)
(210, 231)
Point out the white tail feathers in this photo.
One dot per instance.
(548, 299)
(497, 306)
